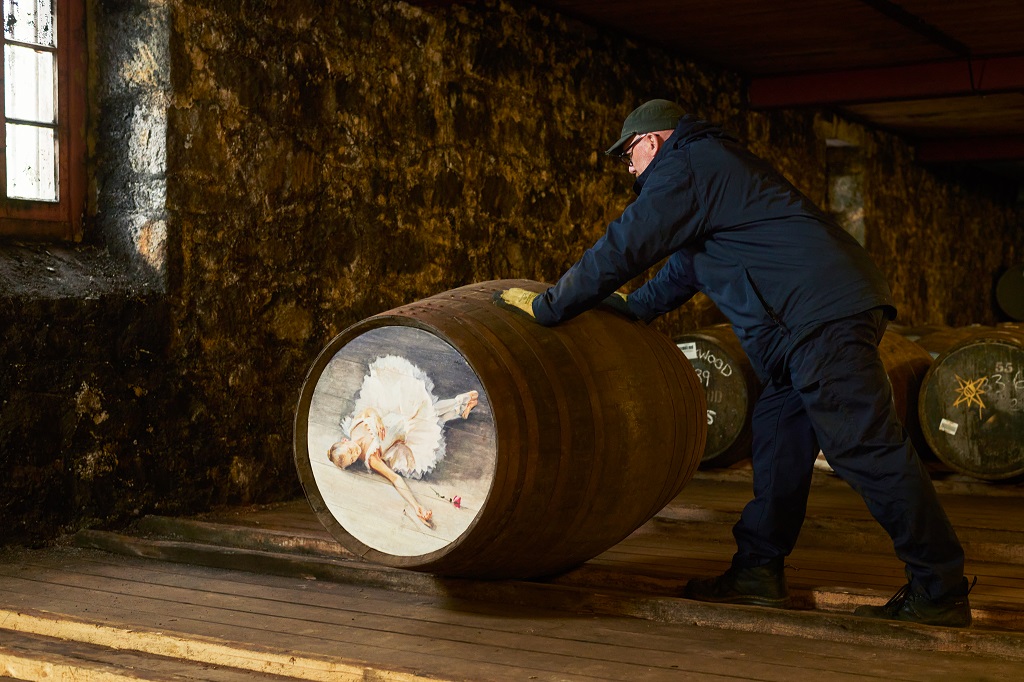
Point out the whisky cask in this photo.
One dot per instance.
(972, 404)
(577, 435)
(730, 389)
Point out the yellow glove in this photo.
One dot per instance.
(519, 299)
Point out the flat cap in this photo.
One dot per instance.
(657, 114)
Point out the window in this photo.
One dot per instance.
(844, 166)
(42, 120)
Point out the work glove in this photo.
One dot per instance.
(516, 300)
(617, 302)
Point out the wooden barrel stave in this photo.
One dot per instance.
(941, 340)
(561, 353)
(915, 332)
(692, 404)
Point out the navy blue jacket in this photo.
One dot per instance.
(734, 228)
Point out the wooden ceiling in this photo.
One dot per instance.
(947, 75)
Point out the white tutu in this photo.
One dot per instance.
(403, 395)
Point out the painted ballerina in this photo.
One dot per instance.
(396, 426)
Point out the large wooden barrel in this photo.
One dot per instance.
(915, 332)
(941, 340)
(731, 388)
(972, 404)
(577, 435)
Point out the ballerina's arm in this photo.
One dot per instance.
(378, 465)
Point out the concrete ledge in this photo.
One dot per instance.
(54, 271)
(946, 481)
(836, 627)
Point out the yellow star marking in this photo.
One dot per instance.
(970, 393)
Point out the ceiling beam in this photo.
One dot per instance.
(919, 26)
(913, 81)
(961, 149)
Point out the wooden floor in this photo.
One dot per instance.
(265, 593)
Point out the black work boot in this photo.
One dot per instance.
(757, 585)
(952, 610)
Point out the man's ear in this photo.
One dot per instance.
(662, 136)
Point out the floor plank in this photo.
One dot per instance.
(32, 657)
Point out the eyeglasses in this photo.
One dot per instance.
(627, 154)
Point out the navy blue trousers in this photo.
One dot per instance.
(834, 394)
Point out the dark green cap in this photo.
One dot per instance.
(658, 114)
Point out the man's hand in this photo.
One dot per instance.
(617, 302)
(518, 299)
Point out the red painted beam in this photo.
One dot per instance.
(961, 149)
(999, 75)
(913, 81)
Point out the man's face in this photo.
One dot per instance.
(641, 151)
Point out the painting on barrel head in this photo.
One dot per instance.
(401, 440)
(972, 405)
(718, 377)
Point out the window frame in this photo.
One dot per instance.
(28, 219)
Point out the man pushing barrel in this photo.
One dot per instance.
(809, 307)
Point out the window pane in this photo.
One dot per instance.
(29, 21)
(31, 164)
(30, 84)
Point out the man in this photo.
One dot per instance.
(809, 307)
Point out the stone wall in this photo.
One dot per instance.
(266, 173)
(327, 163)
(91, 415)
